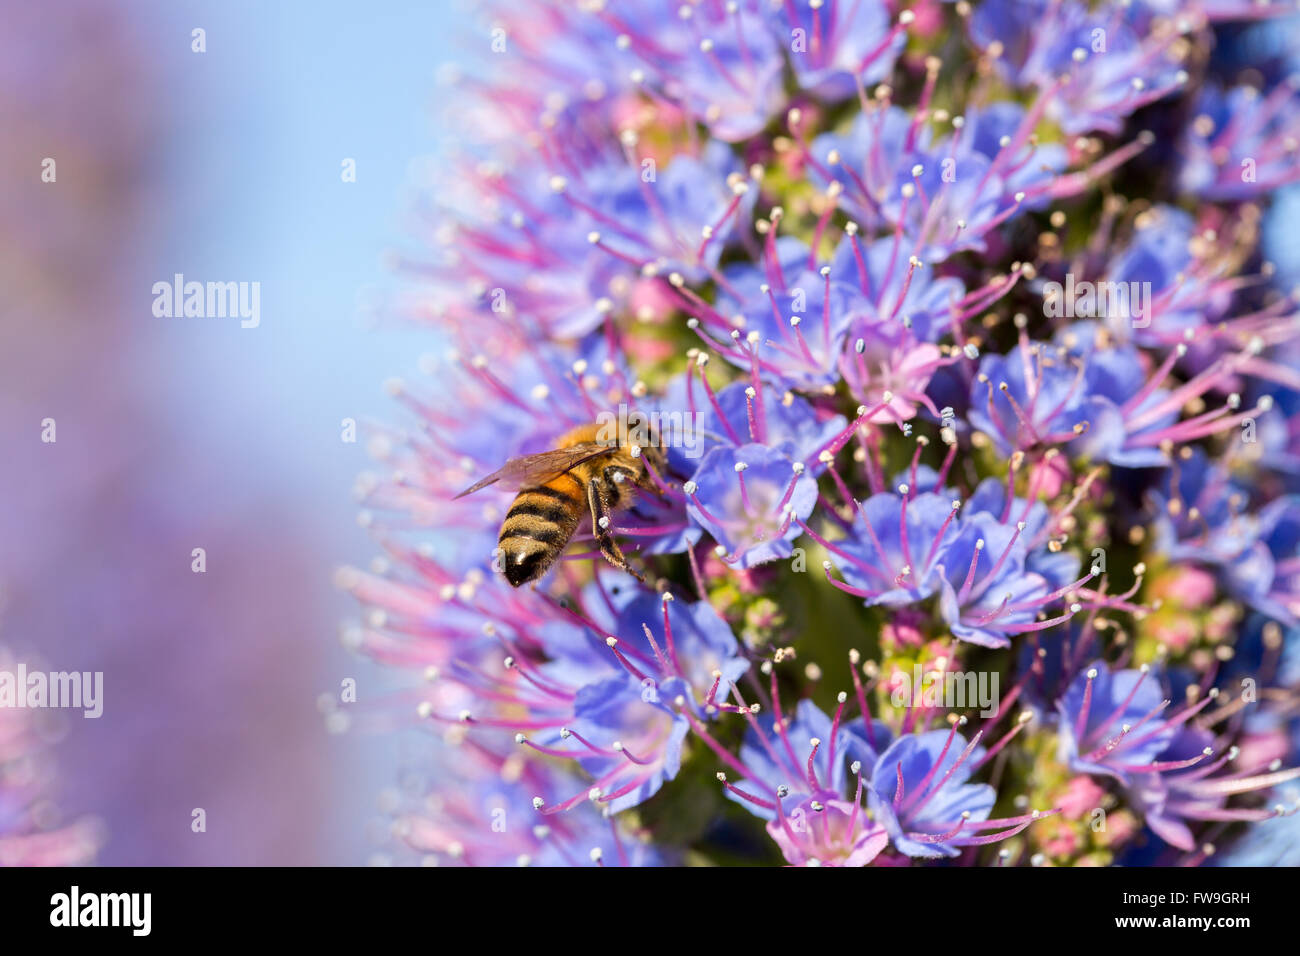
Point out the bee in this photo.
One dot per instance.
(583, 470)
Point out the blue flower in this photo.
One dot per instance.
(1202, 514)
(1112, 62)
(1268, 576)
(1187, 787)
(898, 294)
(1183, 288)
(896, 546)
(776, 759)
(633, 740)
(663, 638)
(838, 43)
(728, 71)
(657, 224)
(987, 592)
(744, 415)
(792, 316)
(1109, 723)
(920, 792)
(1058, 568)
(1031, 396)
(1126, 420)
(751, 500)
(1241, 143)
(688, 639)
(945, 194)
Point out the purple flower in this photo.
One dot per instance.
(791, 316)
(794, 777)
(900, 309)
(1099, 397)
(628, 740)
(792, 320)
(1058, 568)
(863, 160)
(686, 640)
(656, 638)
(1268, 576)
(626, 727)
(1202, 514)
(897, 292)
(1126, 420)
(723, 66)
(1184, 291)
(990, 567)
(828, 833)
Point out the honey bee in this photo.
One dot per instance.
(554, 486)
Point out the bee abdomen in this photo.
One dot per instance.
(541, 513)
(537, 527)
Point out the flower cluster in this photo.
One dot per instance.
(975, 535)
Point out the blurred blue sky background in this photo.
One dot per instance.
(221, 437)
(283, 94)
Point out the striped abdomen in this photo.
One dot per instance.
(538, 525)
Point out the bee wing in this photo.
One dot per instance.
(538, 469)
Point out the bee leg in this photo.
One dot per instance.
(600, 527)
